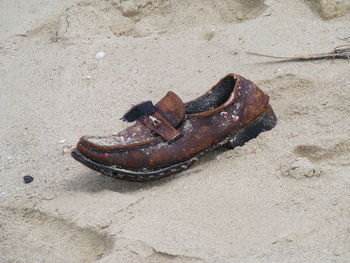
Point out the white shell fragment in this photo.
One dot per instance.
(100, 54)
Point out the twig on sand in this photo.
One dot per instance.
(346, 39)
(339, 52)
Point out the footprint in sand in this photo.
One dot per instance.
(139, 18)
(311, 158)
(317, 154)
(32, 236)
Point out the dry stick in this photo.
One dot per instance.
(338, 53)
(346, 39)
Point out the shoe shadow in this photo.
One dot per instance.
(93, 182)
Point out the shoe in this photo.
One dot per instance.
(170, 136)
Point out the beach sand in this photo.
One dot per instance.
(282, 197)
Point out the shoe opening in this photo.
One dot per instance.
(218, 95)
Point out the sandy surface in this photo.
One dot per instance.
(283, 197)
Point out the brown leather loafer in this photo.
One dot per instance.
(170, 136)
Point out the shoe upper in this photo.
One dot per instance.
(178, 131)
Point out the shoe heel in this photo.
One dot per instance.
(264, 122)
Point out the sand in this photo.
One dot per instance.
(283, 197)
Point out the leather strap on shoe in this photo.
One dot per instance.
(162, 127)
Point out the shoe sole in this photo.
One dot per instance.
(265, 122)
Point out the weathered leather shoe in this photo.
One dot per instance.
(170, 136)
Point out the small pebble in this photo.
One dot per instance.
(28, 179)
(100, 54)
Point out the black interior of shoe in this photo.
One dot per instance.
(213, 99)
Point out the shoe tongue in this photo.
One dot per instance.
(171, 108)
